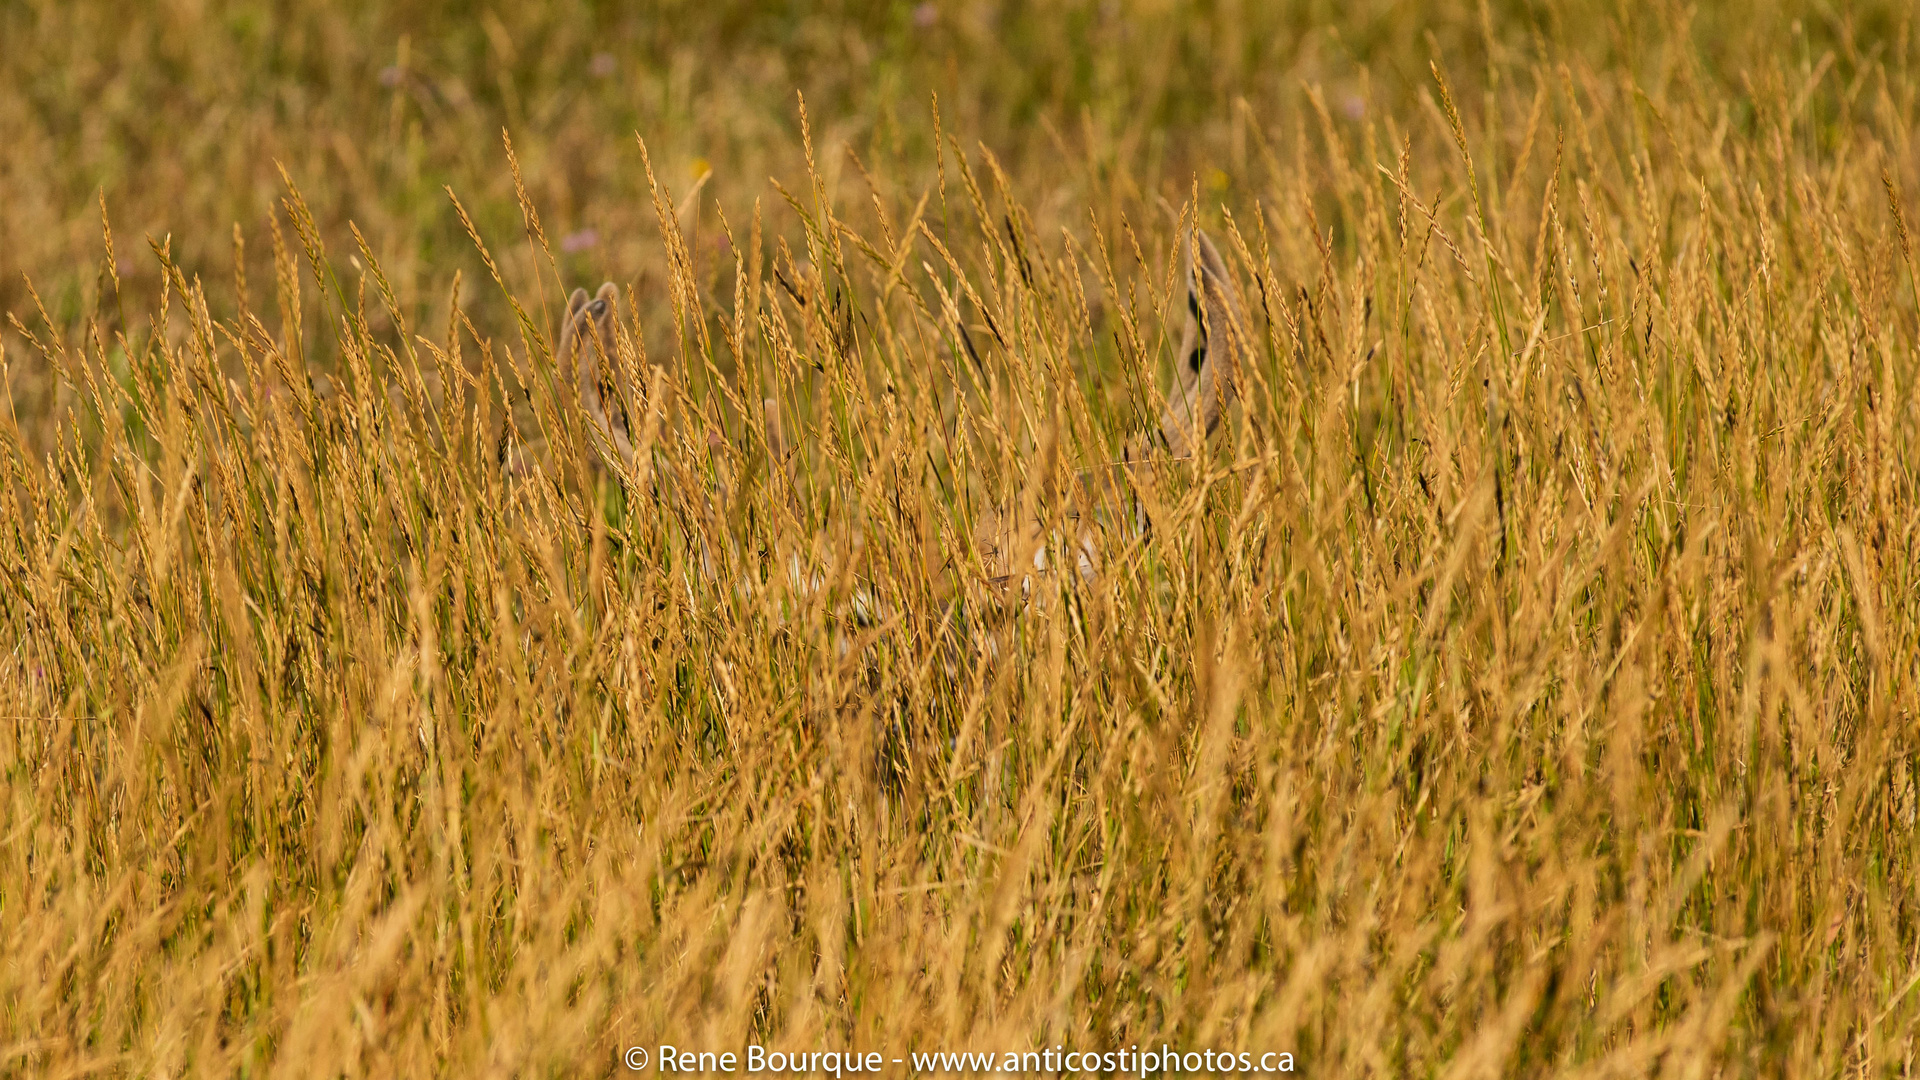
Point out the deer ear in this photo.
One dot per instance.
(1210, 345)
(1226, 327)
(603, 301)
(600, 310)
(570, 332)
(1207, 264)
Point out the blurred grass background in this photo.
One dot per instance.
(1526, 686)
(178, 112)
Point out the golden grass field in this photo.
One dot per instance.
(1522, 683)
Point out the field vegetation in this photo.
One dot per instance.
(1524, 681)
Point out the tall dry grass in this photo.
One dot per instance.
(1524, 684)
